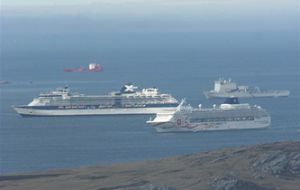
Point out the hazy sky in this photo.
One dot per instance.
(146, 7)
(94, 24)
(169, 14)
(42, 2)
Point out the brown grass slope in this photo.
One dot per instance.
(273, 166)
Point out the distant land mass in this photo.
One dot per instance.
(272, 166)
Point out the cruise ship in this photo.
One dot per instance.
(228, 116)
(229, 89)
(128, 100)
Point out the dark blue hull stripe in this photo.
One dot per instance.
(79, 107)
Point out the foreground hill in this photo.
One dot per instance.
(274, 166)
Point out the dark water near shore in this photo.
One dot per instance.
(183, 64)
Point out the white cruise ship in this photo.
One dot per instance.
(62, 102)
(228, 116)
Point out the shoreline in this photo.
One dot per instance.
(263, 167)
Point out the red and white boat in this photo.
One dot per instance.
(93, 67)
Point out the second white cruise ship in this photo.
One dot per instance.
(62, 102)
(228, 116)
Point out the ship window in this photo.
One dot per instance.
(221, 119)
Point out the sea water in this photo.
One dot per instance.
(183, 64)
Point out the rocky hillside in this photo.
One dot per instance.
(274, 166)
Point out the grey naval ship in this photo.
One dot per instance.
(228, 116)
(128, 100)
(229, 89)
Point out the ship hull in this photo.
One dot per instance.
(213, 126)
(222, 95)
(27, 111)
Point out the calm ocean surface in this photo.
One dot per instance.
(183, 64)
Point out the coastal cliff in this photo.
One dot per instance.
(273, 166)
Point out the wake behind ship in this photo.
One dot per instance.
(127, 101)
